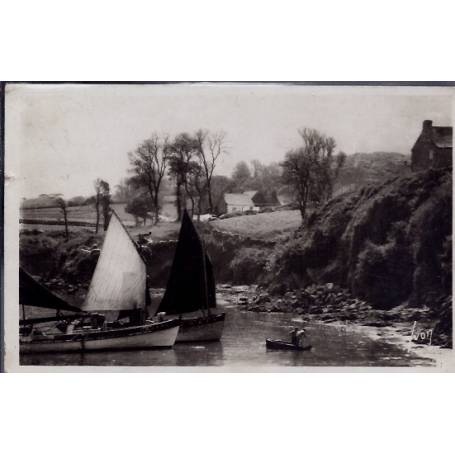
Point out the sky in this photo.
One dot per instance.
(66, 136)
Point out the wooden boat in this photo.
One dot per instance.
(190, 291)
(203, 328)
(117, 295)
(285, 345)
(156, 335)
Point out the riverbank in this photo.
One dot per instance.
(330, 305)
(399, 334)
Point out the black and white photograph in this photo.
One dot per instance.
(228, 226)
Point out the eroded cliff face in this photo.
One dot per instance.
(389, 244)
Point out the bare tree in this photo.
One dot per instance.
(210, 146)
(296, 174)
(105, 203)
(61, 203)
(311, 169)
(196, 186)
(97, 185)
(149, 163)
(182, 152)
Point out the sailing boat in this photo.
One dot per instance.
(32, 293)
(117, 291)
(190, 290)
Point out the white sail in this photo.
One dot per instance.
(119, 279)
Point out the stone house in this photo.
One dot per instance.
(248, 200)
(433, 147)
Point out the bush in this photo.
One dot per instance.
(383, 274)
(247, 265)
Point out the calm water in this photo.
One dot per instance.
(243, 345)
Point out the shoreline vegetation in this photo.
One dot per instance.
(379, 257)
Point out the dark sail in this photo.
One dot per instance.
(191, 284)
(32, 293)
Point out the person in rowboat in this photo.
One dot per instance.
(293, 333)
(300, 335)
(297, 337)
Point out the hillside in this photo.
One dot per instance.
(266, 226)
(389, 244)
(362, 169)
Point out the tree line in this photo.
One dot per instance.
(307, 173)
(187, 163)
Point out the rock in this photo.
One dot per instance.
(239, 289)
(373, 323)
(263, 298)
(254, 308)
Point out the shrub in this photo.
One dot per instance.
(383, 274)
(247, 265)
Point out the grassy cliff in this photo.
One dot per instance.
(388, 244)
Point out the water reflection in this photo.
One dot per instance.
(202, 354)
(243, 345)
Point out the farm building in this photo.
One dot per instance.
(433, 147)
(248, 200)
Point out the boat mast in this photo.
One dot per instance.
(205, 276)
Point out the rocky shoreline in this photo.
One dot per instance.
(329, 303)
(325, 303)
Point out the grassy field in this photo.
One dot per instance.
(265, 226)
(79, 213)
(161, 231)
(87, 213)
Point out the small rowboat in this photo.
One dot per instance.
(285, 345)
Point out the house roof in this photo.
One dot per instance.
(239, 199)
(251, 198)
(250, 194)
(442, 136)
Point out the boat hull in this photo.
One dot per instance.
(149, 336)
(201, 329)
(284, 345)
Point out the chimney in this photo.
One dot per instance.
(427, 125)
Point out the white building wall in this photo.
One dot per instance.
(231, 208)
